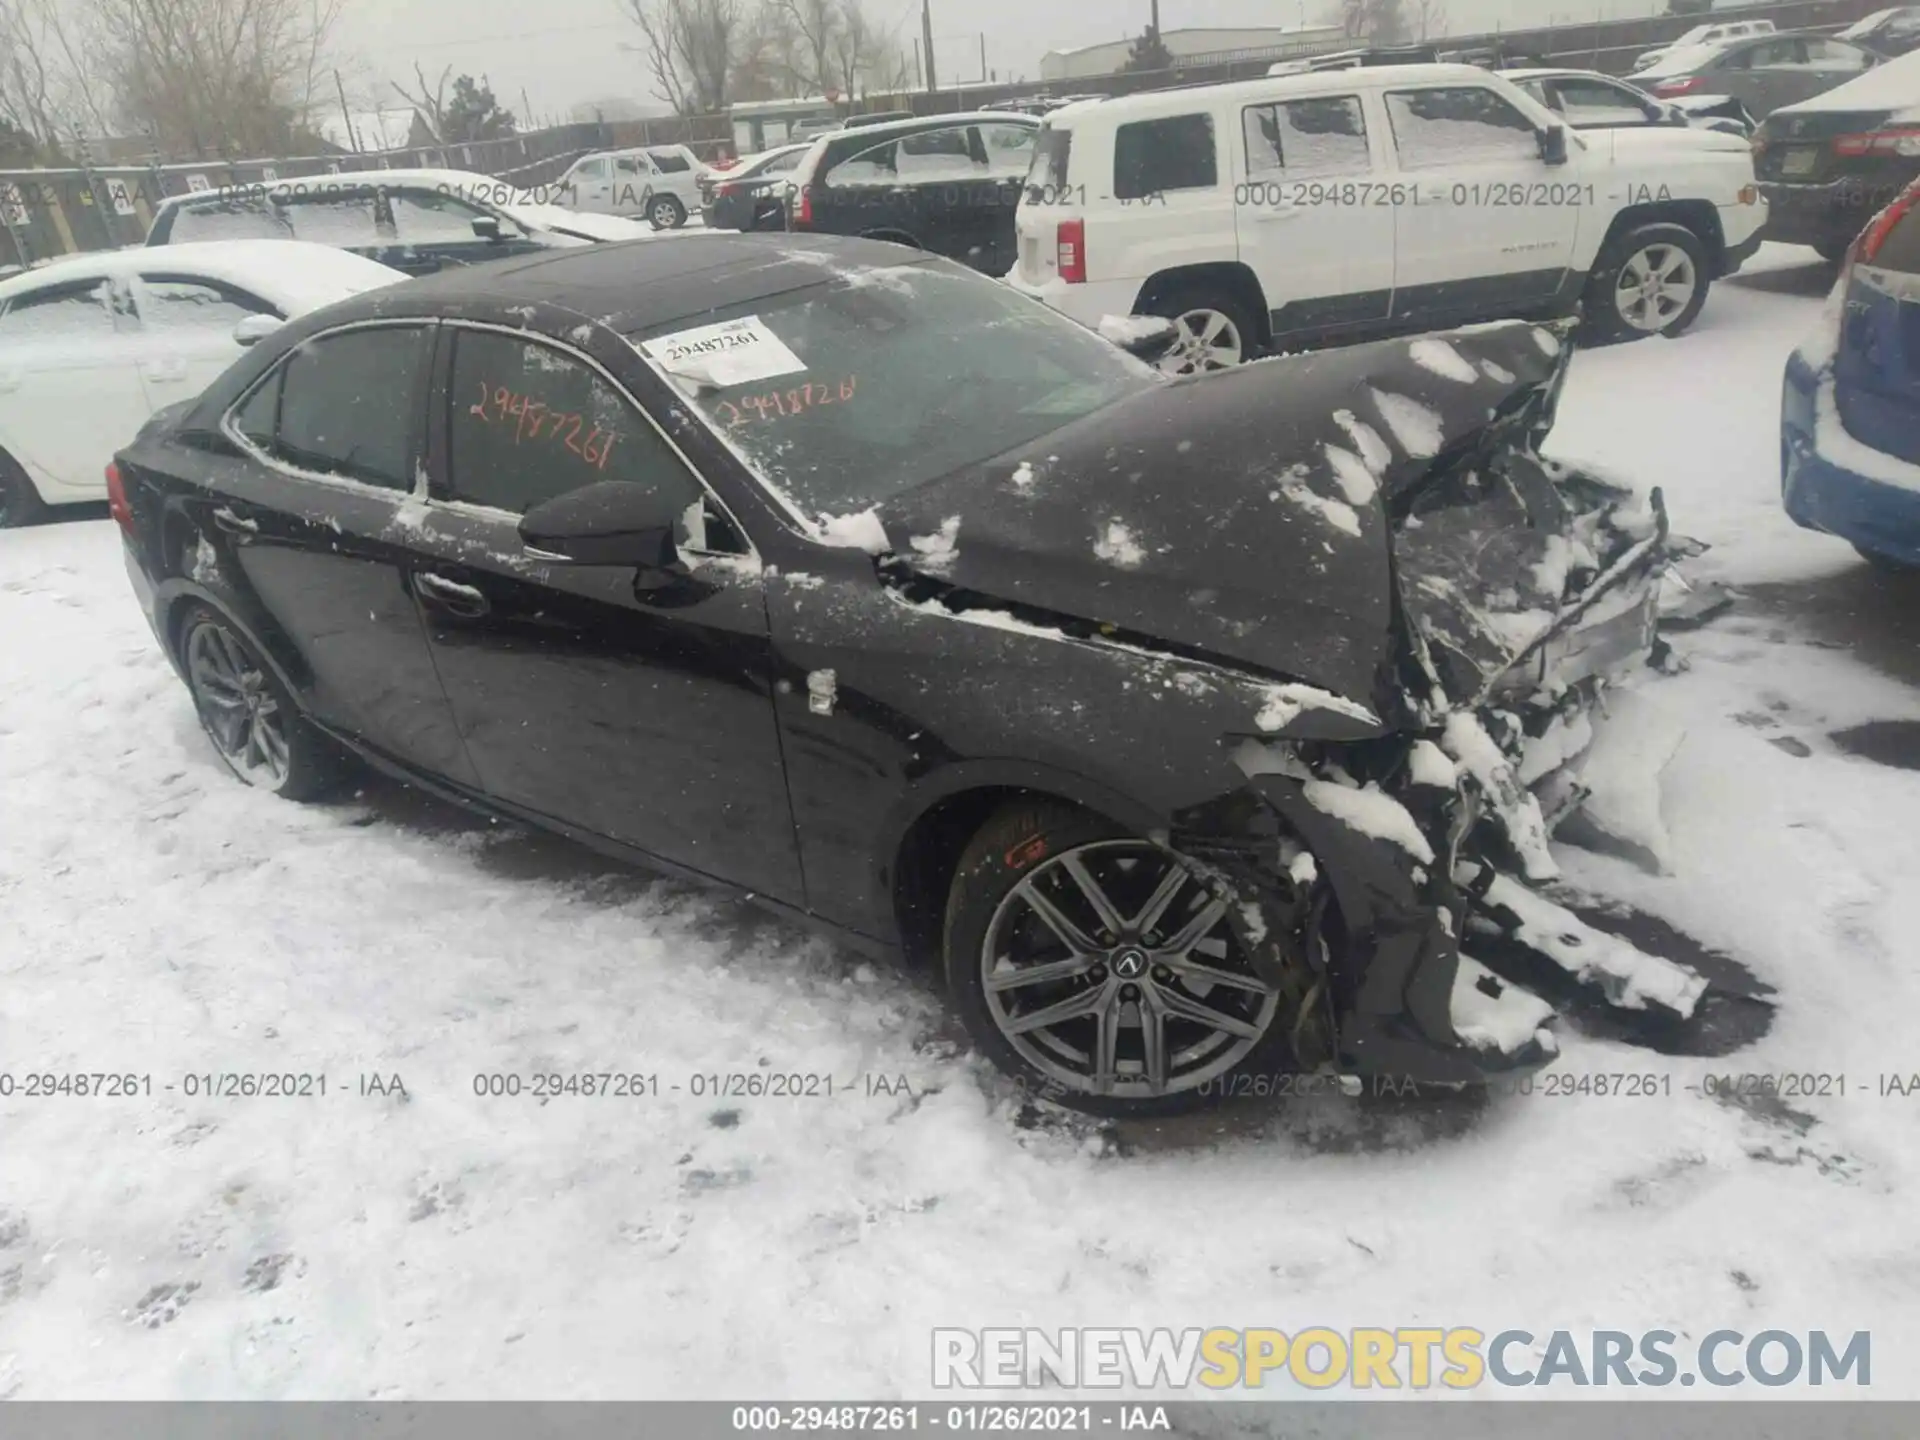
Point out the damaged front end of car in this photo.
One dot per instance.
(1524, 593)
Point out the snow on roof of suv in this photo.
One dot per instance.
(1182, 101)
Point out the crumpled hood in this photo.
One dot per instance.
(1242, 514)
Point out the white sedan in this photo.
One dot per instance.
(92, 345)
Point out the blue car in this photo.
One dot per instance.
(1850, 417)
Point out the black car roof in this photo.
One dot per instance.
(635, 285)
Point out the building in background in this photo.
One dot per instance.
(1196, 47)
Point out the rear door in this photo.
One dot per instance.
(70, 391)
(317, 518)
(591, 184)
(1486, 228)
(585, 695)
(1314, 217)
(186, 331)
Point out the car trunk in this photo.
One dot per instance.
(1797, 148)
(1877, 367)
(1288, 516)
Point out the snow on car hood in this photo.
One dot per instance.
(578, 224)
(1244, 514)
(1892, 86)
(1667, 140)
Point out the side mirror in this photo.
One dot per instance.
(1553, 144)
(614, 522)
(487, 227)
(255, 328)
(1145, 337)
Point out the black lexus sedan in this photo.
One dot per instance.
(1171, 719)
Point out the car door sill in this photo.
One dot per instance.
(867, 946)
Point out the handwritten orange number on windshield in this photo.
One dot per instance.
(777, 404)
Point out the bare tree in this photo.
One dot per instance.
(1428, 18)
(818, 29)
(45, 89)
(428, 101)
(692, 48)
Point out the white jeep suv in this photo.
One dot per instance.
(1315, 209)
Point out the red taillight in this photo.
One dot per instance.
(1874, 237)
(803, 207)
(1071, 251)
(727, 190)
(1667, 89)
(117, 498)
(1898, 140)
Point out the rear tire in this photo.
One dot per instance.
(1154, 989)
(20, 503)
(1886, 564)
(249, 717)
(1651, 280)
(1217, 332)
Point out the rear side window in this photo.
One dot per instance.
(1154, 156)
(1458, 125)
(1326, 135)
(1051, 154)
(348, 404)
(669, 160)
(531, 423)
(183, 302)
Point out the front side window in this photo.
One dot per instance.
(671, 161)
(1775, 54)
(1009, 149)
(81, 310)
(590, 170)
(1833, 55)
(426, 217)
(531, 423)
(1593, 102)
(180, 302)
(349, 402)
(1307, 139)
(1151, 157)
(1458, 125)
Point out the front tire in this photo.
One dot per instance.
(20, 503)
(1102, 972)
(1216, 331)
(1648, 281)
(664, 212)
(254, 726)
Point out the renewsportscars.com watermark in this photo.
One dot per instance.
(1407, 1358)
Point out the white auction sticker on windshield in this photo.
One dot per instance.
(738, 352)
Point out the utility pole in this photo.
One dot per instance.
(346, 115)
(926, 34)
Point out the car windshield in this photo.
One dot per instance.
(844, 394)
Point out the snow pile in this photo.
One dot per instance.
(1417, 427)
(1124, 330)
(1023, 475)
(1117, 546)
(937, 552)
(1443, 360)
(1373, 450)
(1493, 1014)
(1350, 472)
(1624, 768)
(860, 531)
(1287, 703)
(1371, 812)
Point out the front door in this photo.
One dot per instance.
(1487, 229)
(186, 331)
(311, 532)
(1313, 218)
(639, 713)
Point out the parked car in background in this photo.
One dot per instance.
(418, 221)
(1704, 37)
(1319, 209)
(93, 345)
(1850, 417)
(946, 184)
(1763, 74)
(617, 182)
(1887, 32)
(811, 572)
(1829, 164)
(752, 195)
(1588, 100)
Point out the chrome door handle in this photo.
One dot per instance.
(450, 595)
(235, 524)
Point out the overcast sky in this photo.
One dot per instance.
(564, 51)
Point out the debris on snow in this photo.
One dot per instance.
(1467, 741)
(1287, 703)
(822, 691)
(1023, 475)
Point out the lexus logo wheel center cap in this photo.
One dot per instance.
(1130, 964)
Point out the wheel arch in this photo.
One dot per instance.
(175, 598)
(929, 829)
(1701, 217)
(1235, 276)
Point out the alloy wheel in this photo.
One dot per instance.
(1206, 340)
(1655, 288)
(1113, 970)
(241, 712)
(666, 215)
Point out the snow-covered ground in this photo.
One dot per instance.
(157, 918)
